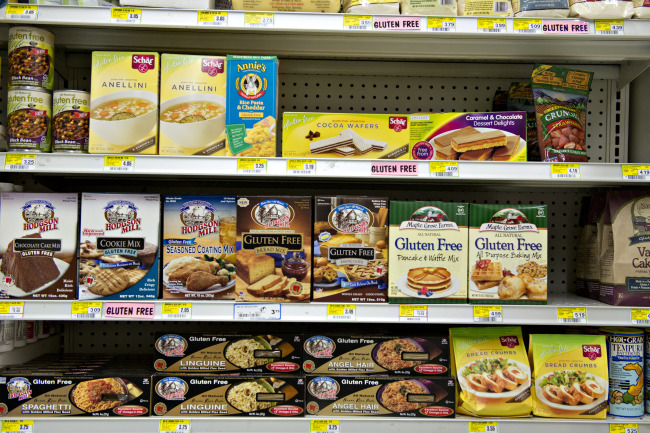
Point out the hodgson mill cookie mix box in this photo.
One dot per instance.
(508, 254)
(273, 249)
(198, 255)
(428, 252)
(118, 250)
(124, 103)
(350, 249)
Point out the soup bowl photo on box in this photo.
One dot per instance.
(193, 120)
(494, 385)
(124, 118)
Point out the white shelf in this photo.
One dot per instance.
(23, 354)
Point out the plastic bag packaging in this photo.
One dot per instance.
(541, 8)
(502, 8)
(371, 7)
(607, 10)
(429, 7)
(642, 9)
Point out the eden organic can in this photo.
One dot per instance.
(29, 112)
(31, 57)
(625, 349)
(71, 110)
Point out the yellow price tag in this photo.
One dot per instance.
(119, 163)
(258, 19)
(174, 426)
(527, 26)
(301, 166)
(177, 310)
(609, 27)
(491, 25)
(640, 316)
(571, 315)
(19, 161)
(86, 310)
(441, 24)
(488, 313)
(325, 426)
(483, 427)
(251, 165)
(21, 12)
(413, 313)
(636, 172)
(17, 426)
(341, 312)
(444, 169)
(11, 309)
(565, 171)
(126, 15)
(212, 18)
(357, 22)
(624, 428)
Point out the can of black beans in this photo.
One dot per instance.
(71, 110)
(31, 57)
(29, 113)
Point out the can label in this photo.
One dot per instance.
(31, 57)
(625, 375)
(28, 120)
(647, 372)
(70, 122)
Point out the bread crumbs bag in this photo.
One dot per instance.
(570, 376)
(492, 370)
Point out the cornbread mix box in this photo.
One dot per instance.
(273, 249)
(209, 395)
(38, 244)
(198, 259)
(428, 252)
(350, 249)
(118, 249)
(499, 136)
(384, 396)
(345, 135)
(508, 254)
(224, 353)
(353, 355)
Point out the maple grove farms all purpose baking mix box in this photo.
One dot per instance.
(428, 252)
(508, 254)
(340, 135)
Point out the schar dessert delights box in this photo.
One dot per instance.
(508, 254)
(428, 252)
(252, 110)
(38, 245)
(499, 136)
(192, 105)
(118, 250)
(350, 249)
(341, 135)
(124, 103)
(198, 256)
(273, 249)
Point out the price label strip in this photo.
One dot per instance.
(21, 12)
(176, 310)
(609, 27)
(483, 427)
(212, 18)
(488, 314)
(126, 16)
(565, 171)
(636, 172)
(301, 166)
(17, 161)
(175, 426)
(259, 19)
(122, 164)
(640, 316)
(441, 24)
(86, 310)
(527, 26)
(342, 312)
(571, 315)
(17, 426)
(325, 426)
(624, 428)
(413, 313)
(257, 312)
(12, 310)
(492, 25)
(357, 22)
(444, 169)
(251, 165)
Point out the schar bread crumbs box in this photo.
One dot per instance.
(198, 256)
(118, 250)
(428, 252)
(38, 245)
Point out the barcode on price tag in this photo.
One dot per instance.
(176, 310)
(636, 172)
(175, 426)
(21, 12)
(257, 312)
(640, 316)
(571, 315)
(119, 163)
(126, 16)
(413, 313)
(17, 426)
(86, 310)
(441, 24)
(357, 22)
(325, 426)
(444, 169)
(488, 314)
(212, 18)
(483, 427)
(11, 310)
(341, 312)
(609, 27)
(527, 26)
(251, 165)
(301, 166)
(17, 161)
(623, 428)
(565, 171)
(258, 19)
(492, 25)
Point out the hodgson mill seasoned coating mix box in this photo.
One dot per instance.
(198, 256)
(508, 254)
(274, 249)
(350, 249)
(124, 103)
(428, 252)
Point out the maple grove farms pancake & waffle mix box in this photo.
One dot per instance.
(350, 249)
(222, 353)
(199, 234)
(118, 249)
(508, 254)
(570, 373)
(431, 397)
(274, 249)
(38, 245)
(428, 252)
(353, 355)
(124, 103)
(201, 395)
(493, 372)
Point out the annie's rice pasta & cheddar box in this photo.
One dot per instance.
(124, 103)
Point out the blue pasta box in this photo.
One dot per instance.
(252, 112)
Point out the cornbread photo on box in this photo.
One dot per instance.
(192, 105)
(124, 103)
(343, 135)
(350, 249)
(508, 247)
(118, 246)
(499, 136)
(198, 256)
(428, 252)
(273, 249)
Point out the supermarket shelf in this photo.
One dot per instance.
(23, 354)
